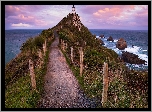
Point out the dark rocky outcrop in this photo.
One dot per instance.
(132, 58)
(100, 41)
(110, 39)
(102, 36)
(121, 44)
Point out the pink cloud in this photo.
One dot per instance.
(27, 20)
(126, 15)
(22, 17)
(131, 7)
(40, 22)
(11, 10)
(91, 15)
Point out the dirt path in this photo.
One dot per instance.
(61, 87)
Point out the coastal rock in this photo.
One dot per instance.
(102, 36)
(121, 44)
(132, 58)
(110, 39)
(101, 42)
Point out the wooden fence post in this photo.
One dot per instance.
(60, 43)
(53, 36)
(81, 61)
(44, 47)
(32, 75)
(105, 83)
(40, 57)
(117, 73)
(63, 45)
(45, 43)
(72, 54)
(66, 46)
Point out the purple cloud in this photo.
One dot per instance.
(92, 16)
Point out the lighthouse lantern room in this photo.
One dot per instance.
(73, 9)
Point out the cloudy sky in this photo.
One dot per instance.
(134, 17)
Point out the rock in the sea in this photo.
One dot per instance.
(132, 58)
(121, 44)
(102, 36)
(110, 39)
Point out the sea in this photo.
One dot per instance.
(137, 43)
(14, 40)
(138, 38)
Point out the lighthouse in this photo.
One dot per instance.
(73, 9)
(76, 19)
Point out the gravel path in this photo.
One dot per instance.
(61, 86)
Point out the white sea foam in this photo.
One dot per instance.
(137, 67)
(134, 49)
(105, 39)
(105, 44)
(115, 40)
(117, 51)
(97, 37)
(143, 57)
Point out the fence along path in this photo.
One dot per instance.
(61, 87)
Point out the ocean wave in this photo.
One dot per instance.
(119, 52)
(137, 67)
(144, 57)
(137, 50)
(97, 37)
(134, 49)
(115, 40)
(131, 49)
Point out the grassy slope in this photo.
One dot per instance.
(128, 88)
(18, 91)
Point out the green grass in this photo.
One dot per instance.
(94, 57)
(91, 83)
(19, 93)
(87, 82)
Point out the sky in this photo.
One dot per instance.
(127, 17)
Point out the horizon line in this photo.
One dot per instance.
(88, 28)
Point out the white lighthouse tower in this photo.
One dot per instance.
(73, 9)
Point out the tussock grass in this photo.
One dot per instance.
(127, 88)
(18, 90)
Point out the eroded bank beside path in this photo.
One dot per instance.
(61, 88)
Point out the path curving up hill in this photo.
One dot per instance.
(61, 86)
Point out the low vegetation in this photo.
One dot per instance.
(127, 88)
(18, 90)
